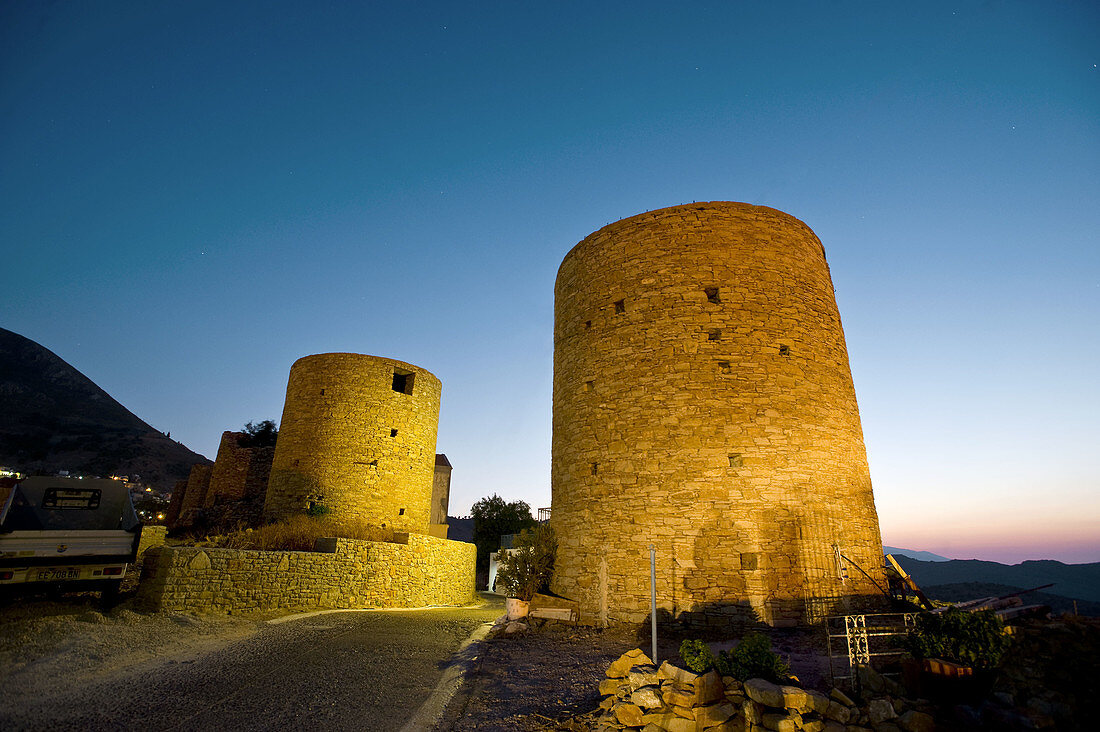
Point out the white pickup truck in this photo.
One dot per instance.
(72, 533)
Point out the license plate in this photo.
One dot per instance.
(53, 575)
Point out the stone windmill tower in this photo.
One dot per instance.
(703, 403)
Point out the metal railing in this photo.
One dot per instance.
(864, 640)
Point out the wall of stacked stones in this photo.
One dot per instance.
(176, 503)
(358, 437)
(355, 574)
(703, 402)
(239, 472)
(194, 495)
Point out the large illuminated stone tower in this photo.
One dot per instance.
(703, 403)
(357, 438)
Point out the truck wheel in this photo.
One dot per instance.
(109, 597)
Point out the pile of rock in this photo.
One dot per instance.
(639, 695)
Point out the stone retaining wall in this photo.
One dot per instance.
(352, 574)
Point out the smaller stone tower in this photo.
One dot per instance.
(357, 439)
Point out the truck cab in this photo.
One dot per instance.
(68, 533)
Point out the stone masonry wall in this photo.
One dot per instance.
(703, 403)
(441, 490)
(239, 473)
(357, 437)
(174, 505)
(194, 496)
(356, 574)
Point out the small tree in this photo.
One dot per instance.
(263, 434)
(494, 518)
(528, 568)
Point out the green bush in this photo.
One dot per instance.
(697, 656)
(529, 566)
(752, 658)
(971, 638)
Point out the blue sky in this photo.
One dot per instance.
(195, 194)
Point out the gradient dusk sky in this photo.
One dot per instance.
(195, 194)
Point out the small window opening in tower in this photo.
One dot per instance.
(295, 463)
(393, 433)
(588, 325)
(595, 468)
(400, 512)
(712, 295)
(724, 367)
(750, 560)
(736, 461)
(403, 381)
(590, 386)
(784, 350)
(713, 335)
(322, 392)
(620, 307)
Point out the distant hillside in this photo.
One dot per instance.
(52, 417)
(1080, 581)
(914, 554)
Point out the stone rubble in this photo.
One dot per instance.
(640, 696)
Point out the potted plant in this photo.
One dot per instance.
(526, 568)
(956, 650)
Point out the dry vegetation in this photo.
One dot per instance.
(299, 533)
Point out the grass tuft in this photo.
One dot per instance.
(299, 533)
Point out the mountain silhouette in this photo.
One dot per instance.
(52, 417)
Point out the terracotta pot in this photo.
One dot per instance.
(516, 609)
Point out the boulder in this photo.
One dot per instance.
(764, 692)
(669, 722)
(709, 688)
(842, 698)
(914, 721)
(629, 715)
(642, 675)
(646, 697)
(818, 701)
(677, 695)
(752, 712)
(515, 627)
(677, 674)
(796, 698)
(838, 712)
(713, 715)
(622, 665)
(610, 687)
(880, 710)
(780, 722)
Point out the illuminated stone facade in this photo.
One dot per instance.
(194, 495)
(357, 438)
(703, 403)
(239, 473)
(441, 496)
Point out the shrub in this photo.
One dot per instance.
(299, 533)
(528, 567)
(971, 638)
(697, 656)
(752, 658)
